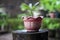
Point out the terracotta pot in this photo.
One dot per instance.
(32, 24)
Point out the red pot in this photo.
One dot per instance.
(32, 24)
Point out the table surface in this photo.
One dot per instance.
(25, 31)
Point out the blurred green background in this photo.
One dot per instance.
(17, 23)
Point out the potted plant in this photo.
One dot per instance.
(3, 21)
(52, 25)
(49, 5)
(3, 18)
(32, 22)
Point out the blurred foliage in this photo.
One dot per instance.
(50, 5)
(14, 23)
(19, 16)
(17, 23)
(3, 18)
(29, 7)
(49, 23)
(3, 15)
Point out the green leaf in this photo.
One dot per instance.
(24, 7)
(51, 26)
(48, 4)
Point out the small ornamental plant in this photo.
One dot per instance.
(32, 22)
(29, 8)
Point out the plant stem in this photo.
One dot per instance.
(31, 13)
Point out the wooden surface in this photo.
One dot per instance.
(8, 36)
(24, 35)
